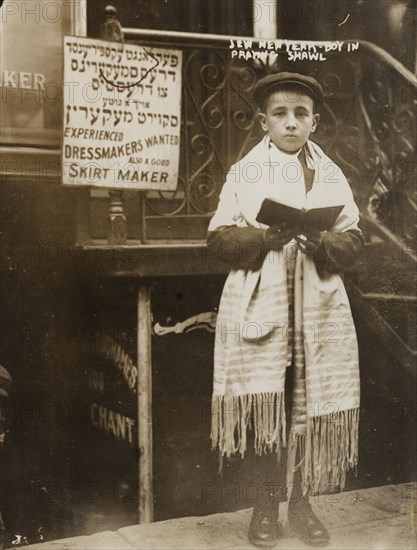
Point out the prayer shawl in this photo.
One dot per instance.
(264, 326)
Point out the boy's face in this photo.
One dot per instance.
(289, 119)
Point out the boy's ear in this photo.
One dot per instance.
(262, 121)
(316, 119)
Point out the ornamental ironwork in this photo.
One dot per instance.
(367, 126)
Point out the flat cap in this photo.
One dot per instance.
(312, 87)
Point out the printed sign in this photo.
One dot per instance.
(111, 378)
(122, 114)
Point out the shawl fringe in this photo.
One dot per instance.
(331, 449)
(325, 453)
(233, 414)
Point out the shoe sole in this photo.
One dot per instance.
(260, 544)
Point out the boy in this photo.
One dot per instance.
(286, 357)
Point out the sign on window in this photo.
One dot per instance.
(122, 115)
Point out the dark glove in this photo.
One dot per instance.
(276, 236)
(309, 239)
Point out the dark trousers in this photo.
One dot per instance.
(267, 476)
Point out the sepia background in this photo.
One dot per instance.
(83, 270)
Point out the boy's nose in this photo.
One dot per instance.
(290, 122)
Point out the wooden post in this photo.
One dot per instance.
(144, 396)
(142, 210)
(111, 29)
(117, 228)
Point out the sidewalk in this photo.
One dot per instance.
(382, 518)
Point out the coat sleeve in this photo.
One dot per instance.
(338, 251)
(237, 246)
(341, 247)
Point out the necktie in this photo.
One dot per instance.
(308, 172)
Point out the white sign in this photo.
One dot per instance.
(122, 115)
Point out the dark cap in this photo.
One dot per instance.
(312, 87)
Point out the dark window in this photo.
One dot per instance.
(205, 16)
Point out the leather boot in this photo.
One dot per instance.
(263, 529)
(306, 525)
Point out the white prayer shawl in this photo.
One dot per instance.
(251, 346)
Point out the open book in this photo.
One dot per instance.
(275, 213)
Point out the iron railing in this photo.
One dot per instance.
(367, 126)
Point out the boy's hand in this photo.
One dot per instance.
(309, 240)
(277, 236)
